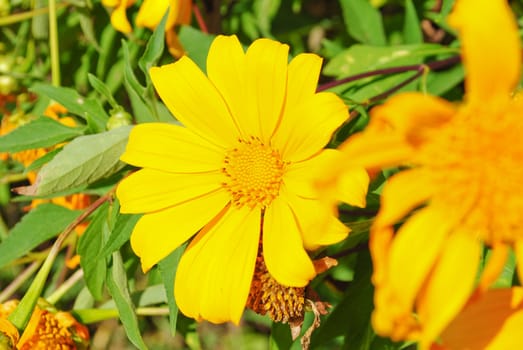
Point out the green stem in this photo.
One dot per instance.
(64, 287)
(19, 17)
(18, 281)
(20, 316)
(53, 43)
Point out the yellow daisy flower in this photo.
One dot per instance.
(239, 172)
(491, 321)
(464, 170)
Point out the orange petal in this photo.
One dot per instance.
(493, 321)
(450, 285)
(494, 266)
(215, 272)
(491, 53)
(402, 193)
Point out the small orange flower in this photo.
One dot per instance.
(47, 329)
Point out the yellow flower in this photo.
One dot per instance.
(464, 172)
(491, 321)
(151, 13)
(46, 329)
(239, 172)
(119, 19)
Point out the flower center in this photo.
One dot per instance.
(266, 296)
(476, 168)
(254, 173)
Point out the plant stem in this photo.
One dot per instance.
(20, 316)
(64, 287)
(18, 281)
(436, 65)
(199, 18)
(19, 17)
(53, 43)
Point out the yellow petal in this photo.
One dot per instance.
(214, 275)
(413, 252)
(227, 71)
(493, 322)
(450, 285)
(119, 18)
(151, 190)
(353, 185)
(494, 265)
(171, 148)
(307, 128)
(373, 150)
(301, 177)
(266, 68)
(158, 234)
(402, 193)
(283, 250)
(413, 115)
(194, 101)
(302, 80)
(110, 3)
(317, 223)
(491, 53)
(151, 13)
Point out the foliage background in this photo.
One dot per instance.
(102, 73)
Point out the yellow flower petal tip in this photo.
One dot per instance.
(253, 132)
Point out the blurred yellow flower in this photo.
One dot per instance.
(464, 172)
(150, 14)
(239, 172)
(490, 321)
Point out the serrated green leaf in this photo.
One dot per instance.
(411, 27)
(363, 22)
(118, 288)
(154, 48)
(89, 245)
(87, 108)
(40, 224)
(196, 45)
(41, 132)
(83, 161)
(167, 268)
(121, 233)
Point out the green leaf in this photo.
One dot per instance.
(83, 161)
(46, 158)
(154, 48)
(102, 89)
(89, 245)
(167, 268)
(87, 108)
(439, 82)
(118, 288)
(41, 132)
(196, 44)
(40, 224)
(281, 338)
(119, 235)
(363, 22)
(351, 317)
(411, 27)
(135, 90)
